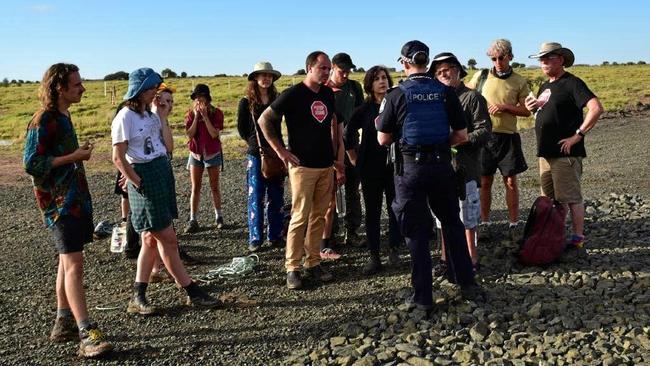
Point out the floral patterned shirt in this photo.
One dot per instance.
(62, 190)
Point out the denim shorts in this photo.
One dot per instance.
(216, 161)
(470, 208)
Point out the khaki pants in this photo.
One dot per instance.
(311, 189)
(560, 178)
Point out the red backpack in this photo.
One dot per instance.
(544, 235)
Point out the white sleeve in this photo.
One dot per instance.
(120, 127)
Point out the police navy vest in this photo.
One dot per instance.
(426, 121)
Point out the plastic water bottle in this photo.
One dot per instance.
(340, 200)
(118, 238)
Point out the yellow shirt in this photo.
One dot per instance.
(512, 90)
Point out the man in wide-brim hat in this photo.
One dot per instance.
(561, 129)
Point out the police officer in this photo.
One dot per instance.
(418, 116)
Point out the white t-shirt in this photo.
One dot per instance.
(142, 133)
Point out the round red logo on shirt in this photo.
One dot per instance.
(319, 111)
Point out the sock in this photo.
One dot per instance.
(324, 243)
(513, 224)
(217, 213)
(84, 324)
(140, 289)
(192, 216)
(192, 289)
(63, 313)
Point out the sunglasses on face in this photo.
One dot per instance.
(500, 58)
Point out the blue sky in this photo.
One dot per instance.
(214, 37)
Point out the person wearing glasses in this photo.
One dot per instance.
(505, 91)
(418, 115)
(561, 128)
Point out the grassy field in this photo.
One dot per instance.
(617, 86)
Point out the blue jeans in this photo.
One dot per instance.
(258, 189)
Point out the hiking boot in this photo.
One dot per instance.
(201, 299)
(483, 232)
(393, 257)
(472, 292)
(92, 342)
(254, 246)
(140, 305)
(65, 329)
(192, 227)
(411, 304)
(440, 269)
(372, 266)
(516, 232)
(293, 280)
(220, 222)
(186, 258)
(318, 273)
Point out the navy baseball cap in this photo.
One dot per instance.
(412, 48)
(343, 61)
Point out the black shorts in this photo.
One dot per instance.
(118, 189)
(71, 233)
(503, 151)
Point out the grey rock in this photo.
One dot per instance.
(367, 360)
(338, 341)
(479, 331)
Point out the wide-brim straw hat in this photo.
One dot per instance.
(264, 67)
(554, 47)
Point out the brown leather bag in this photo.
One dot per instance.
(273, 167)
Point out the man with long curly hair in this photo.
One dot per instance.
(54, 159)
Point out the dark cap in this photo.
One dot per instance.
(449, 58)
(343, 61)
(201, 89)
(411, 49)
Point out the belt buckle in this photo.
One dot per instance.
(417, 157)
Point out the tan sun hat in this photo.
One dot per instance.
(554, 47)
(266, 67)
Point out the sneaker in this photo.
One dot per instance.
(161, 276)
(372, 266)
(483, 232)
(65, 329)
(329, 254)
(393, 257)
(192, 227)
(220, 222)
(293, 280)
(254, 246)
(440, 269)
(92, 342)
(577, 241)
(186, 258)
(516, 232)
(411, 304)
(202, 300)
(140, 306)
(318, 273)
(472, 292)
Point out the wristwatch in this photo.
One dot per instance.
(580, 133)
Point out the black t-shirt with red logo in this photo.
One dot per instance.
(560, 114)
(309, 118)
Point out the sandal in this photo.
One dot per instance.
(329, 253)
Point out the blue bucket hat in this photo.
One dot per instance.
(141, 80)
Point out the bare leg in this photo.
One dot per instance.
(124, 206)
(486, 196)
(470, 236)
(73, 266)
(196, 175)
(61, 299)
(213, 174)
(512, 197)
(146, 258)
(168, 249)
(329, 219)
(577, 217)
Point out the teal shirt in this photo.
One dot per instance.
(62, 190)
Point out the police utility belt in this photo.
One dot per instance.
(421, 154)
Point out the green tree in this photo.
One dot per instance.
(5, 82)
(641, 62)
(183, 74)
(168, 73)
(301, 72)
(605, 63)
(471, 63)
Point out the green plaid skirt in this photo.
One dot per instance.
(155, 208)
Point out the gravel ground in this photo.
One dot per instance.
(587, 309)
